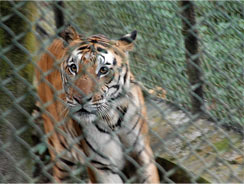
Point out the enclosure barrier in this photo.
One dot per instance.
(188, 59)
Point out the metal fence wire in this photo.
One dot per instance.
(188, 61)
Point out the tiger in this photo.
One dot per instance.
(93, 109)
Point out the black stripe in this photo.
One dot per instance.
(102, 57)
(67, 162)
(120, 95)
(80, 146)
(104, 167)
(117, 86)
(118, 124)
(112, 78)
(101, 130)
(82, 48)
(138, 135)
(114, 86)
(99, 49)
(62, 170)
(65, 147)
(144, 180)
(135, 125)
(99, 163)
(126, 39)
(117, 89)
(139, 117)
(62, 178)
(51, 142)
(126, 73)
(62, 144)
(139, 152)
(93, 149)
(93, 41)
(122, 113)
(114, 61)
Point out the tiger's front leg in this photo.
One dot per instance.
(63, 166)
(98, 175)
(64, 159)
(148, 172)
(137, 139)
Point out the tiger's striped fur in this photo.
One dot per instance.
(99, 115)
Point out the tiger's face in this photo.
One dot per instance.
(95, 73)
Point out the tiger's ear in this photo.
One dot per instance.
(126, 42)
(69, 34)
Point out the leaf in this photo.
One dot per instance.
(41, 148)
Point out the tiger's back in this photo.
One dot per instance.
(49, 85)
(111, 117)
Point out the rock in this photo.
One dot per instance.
(203, 148)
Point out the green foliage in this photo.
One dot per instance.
(222, 145)
(40, 148)
(159, 57)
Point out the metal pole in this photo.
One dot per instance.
(193, 62)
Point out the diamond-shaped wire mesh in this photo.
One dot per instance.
(188, 61)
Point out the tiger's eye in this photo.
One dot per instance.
(73, 68)
(104, 70)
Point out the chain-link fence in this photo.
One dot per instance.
(187, 58)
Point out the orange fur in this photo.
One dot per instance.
(51, 96)
(49, 84)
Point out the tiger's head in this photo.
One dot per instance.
(95, 71)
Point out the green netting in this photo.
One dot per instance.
(196, 144)
(159, 59)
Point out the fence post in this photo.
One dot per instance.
(193, 62)
(58, 14)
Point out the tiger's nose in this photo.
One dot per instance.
(82, 100)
